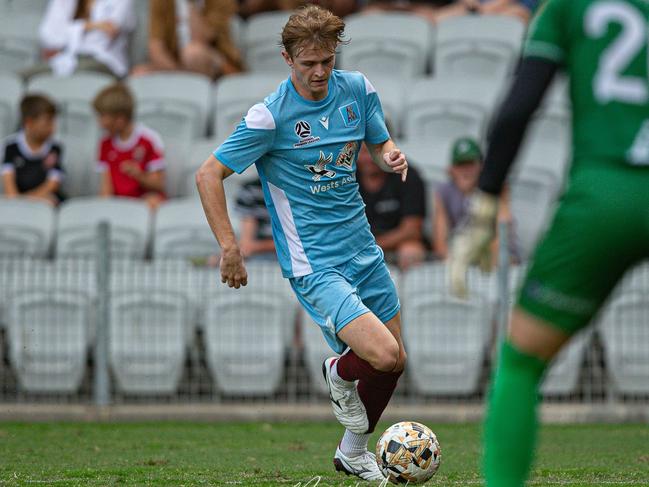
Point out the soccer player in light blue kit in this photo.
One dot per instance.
(304, 140)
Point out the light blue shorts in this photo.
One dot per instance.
(335, 296)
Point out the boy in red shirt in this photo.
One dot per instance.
(131, 158)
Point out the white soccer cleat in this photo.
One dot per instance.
(363, 466)
(346, 403)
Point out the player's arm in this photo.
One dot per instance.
(389, 158)
(472, 241)
(209, 180)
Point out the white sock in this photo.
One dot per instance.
(339, 380)
(353, 445)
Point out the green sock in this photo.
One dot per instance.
(511, 423)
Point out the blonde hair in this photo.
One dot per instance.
(312, 25)
(115, 99)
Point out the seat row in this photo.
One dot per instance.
(32, 228)
(50, 319)
(382, 42)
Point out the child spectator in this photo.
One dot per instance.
(31, 159)
(452, 199)
(191, 36)
(395, 210)
(85, 35)
(131, 158)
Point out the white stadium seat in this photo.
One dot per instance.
(48, 330)
(10, 94)
(446, 337)
(265, 310)
(80, 164)
(19, 44)
(262, 36)
(234, 95)
(383, 44)
(533, 195)
(563, 374)
(181, 230)
(79, 218)
(625, 338)
(484, 46)
(26, 227)
(174, 104)
(73, 96)
(148, 338)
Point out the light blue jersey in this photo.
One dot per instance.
(305, 152)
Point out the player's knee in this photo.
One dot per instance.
(387, 357)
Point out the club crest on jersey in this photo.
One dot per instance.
(319, 169)
(347, 153)
(303, 131)
(351, 114)
(139, 153)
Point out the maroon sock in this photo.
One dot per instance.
(375, 388)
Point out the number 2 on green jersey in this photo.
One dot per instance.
(609, 84)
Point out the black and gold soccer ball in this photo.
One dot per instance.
(408, 452)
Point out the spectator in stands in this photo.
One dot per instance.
(131, 156)
(85, 35)
(395, 210)
(522, 9)
(191, 36)
(452, 199)
(338, 7)
(256, 239)
(31, 159)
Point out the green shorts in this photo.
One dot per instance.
(599, 231)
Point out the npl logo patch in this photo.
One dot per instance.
(351, 114)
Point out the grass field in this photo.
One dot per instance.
(261, 454)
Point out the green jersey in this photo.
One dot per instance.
(603, 46)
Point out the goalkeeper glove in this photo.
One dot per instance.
(471, 243)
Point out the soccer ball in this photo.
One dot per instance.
(408, 452)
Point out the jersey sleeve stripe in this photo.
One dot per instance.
(545, 50)
(369, 87)
(260, 117)
(54, 175)
(155, 165)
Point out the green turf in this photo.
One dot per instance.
(260, 454)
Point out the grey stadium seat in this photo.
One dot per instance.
(181, 230)
(234, 95)
(261, 42)
(174, 104)
(533, 195)
(10, 94)
(392, 93)
(129, 220)
(247, 330)
(383, 44)
(73, 96)
(446, 337)
(626, 341)
(148, 331)
(563, 373)
(23, 6)
(48, 331)
(547, 144)
(484, 46)
(26, 227)
(19, 44)
(80, 165)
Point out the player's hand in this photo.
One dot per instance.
(397, 162)
(233, 271)
(472, 241)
